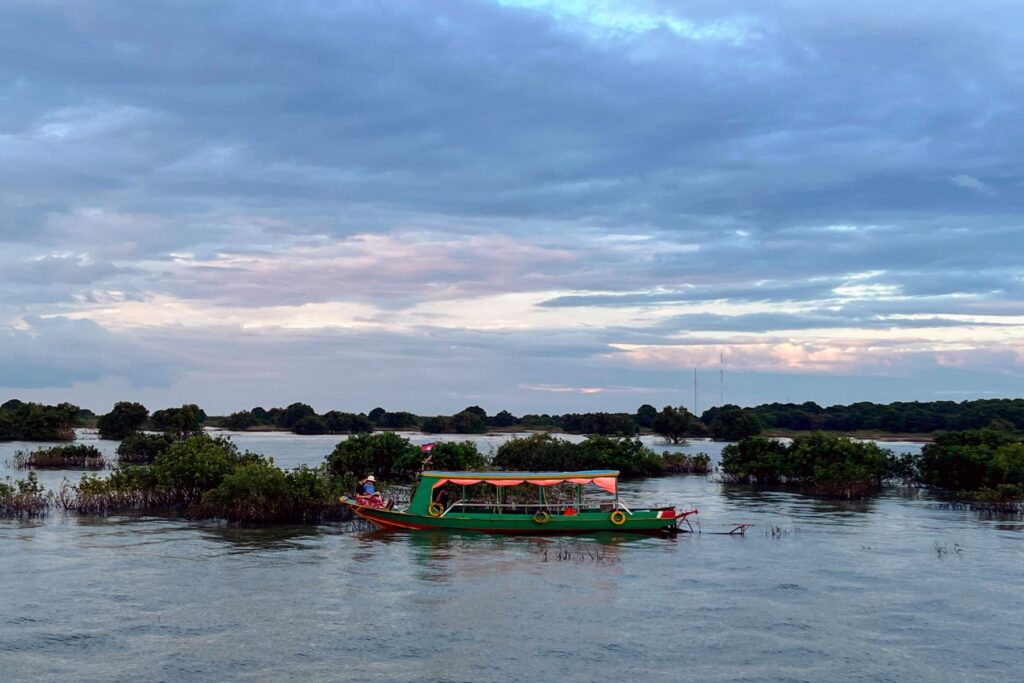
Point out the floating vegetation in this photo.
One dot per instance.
(942, 550)
(999, 507)
(576, 551)
(78, 457)
(24, 497)
(681, 463)
(779, 532)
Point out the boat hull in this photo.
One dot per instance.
(639, 522)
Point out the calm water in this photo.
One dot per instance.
(894, 589)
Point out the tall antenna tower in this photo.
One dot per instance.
(695, 391)
(721, 377)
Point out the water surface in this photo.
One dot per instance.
(898, 588)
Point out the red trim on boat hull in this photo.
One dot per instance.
(387, 524)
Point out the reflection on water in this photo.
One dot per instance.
(817, 590)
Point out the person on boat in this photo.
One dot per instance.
(442, 497)
(367, 494)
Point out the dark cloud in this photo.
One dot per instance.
(858, 161)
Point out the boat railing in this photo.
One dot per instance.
(529, 506)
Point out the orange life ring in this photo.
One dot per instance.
(435, 510)
(541, 517)
(618, 518)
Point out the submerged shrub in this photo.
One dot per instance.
(755, 458)
(142, 449)
(23, 497)
(78, 457)
(543, 452)
(680, 463)
(981, 460)
(259, 492)
(820, 463)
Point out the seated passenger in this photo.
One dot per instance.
(367, 494)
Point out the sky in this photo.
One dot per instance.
(520, 204)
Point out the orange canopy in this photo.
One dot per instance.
(604, 479)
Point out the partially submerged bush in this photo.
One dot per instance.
(260, 492)
(79, 457)
(820, 464)
(543, 452)
(209, 477)
(23, 497)
(680, 463)
(142, 449)
(986, 462)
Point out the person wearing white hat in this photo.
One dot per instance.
(367, 494)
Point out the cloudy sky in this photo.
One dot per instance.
(541, 206)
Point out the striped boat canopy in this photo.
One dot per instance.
(604, 479)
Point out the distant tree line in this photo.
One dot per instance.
(907, 417)
(37, 422)
(299, 418)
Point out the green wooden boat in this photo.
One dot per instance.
(575, 511)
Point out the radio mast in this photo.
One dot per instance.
(721, 377)
(695, 391)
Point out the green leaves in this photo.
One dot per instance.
(819, 463)
(125, 419)
(543, 452)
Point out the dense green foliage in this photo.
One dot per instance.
(71, 457)
(922, 417)
(180, 422)
(976, 460)
(383, 419)
(260, 492)
(386, 455)
(240, 421)
(983, 464)
(142, 449)
(210, 477)
(37, 422)
(645, 415)
(125, 419)
(672, 423)
(455, 456)
(819, 463)
(299, 418)
(608, 424)
(546, 453)
(472, 420)
(732, 423)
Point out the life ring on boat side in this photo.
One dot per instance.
(618, 518)
(435, 510)
(541, 517)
